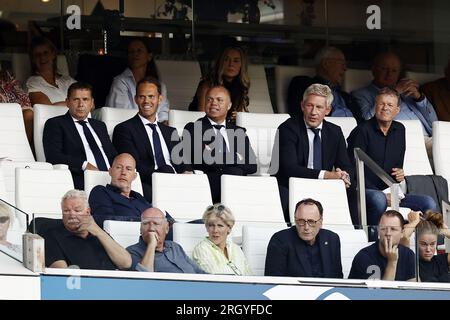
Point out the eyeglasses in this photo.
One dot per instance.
(4, 219)
(310, 222)
(234, 268)
(220, 207)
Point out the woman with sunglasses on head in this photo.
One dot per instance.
(5, 223)
(432, 267)
(216, 253)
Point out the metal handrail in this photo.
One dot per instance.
(363, 159)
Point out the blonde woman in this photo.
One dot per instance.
(216, 253)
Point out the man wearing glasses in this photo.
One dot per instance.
(153, 253)
(305, 250)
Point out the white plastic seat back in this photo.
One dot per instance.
(13, 139)
(181, 79)
(188, 235)
(330, 193)
(95, 178)
(179, 118)
(125, 233)
(113, 116)
(254, 245)
(416, 158)
(8, 169)
(283, 77)
(259, 90)
(40, 191)
(423, 77)
(441, 149)
(42, 113)
(347, 124)
(352, 241)
(261, 131)
(184, 196)
(253, 200)
(356, 79)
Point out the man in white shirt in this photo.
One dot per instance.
(150, 142)
(76, 140)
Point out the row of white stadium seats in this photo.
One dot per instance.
(182, 77)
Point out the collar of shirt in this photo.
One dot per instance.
(118, 191)
(228, 245)
(215, 123)
(146, 121)
(129, 74)
(318, 127)
(76, 121)
(377, 128)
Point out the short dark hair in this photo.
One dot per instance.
(389, 92)
(220, 87)
(151, 80)
(309, 201)
(80, 86)
(393, 213)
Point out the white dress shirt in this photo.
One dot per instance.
(311, 148)
(89, 154)
(164, 148)
(223, 131)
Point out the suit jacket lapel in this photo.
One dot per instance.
(326, 146)
(166, 133)
(206, 125)
(304, 140)
(324, 248)
(74, 132)
(300, 250)
(142, 134)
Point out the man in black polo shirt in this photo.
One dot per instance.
(117, 201)
(383, 139)
(80, 241)
(386, 259)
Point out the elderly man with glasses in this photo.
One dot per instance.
(153, 253)
(305, 250)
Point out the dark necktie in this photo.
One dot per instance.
(317, 149)
(100, 161)
(223, 147)
(159, 156)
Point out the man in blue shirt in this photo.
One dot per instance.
(386, 259)
(117, 201)
(154, 253)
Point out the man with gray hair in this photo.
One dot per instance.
(330, 70)
(310, 147)
(153, 253)
(80, 241)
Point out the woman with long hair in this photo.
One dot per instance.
(141, 63)
(231, 71)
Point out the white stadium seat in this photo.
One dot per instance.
(181, 79)
(113, 116)
(352, 241)
(13, 139)
(39, 191)
(441, 149)
(94, 178)
(347, 124)
(42, 113)
(261, 131)
(330, 193)
(356, 79)
(259, 90)
(125, 233)
(188, 235)
(184, 196)
(179, 118)
(254, 245)
(283, 77)
(416, 158)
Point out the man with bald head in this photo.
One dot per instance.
(116, 201)
(153, 253)
(438, 92)
(414, 105)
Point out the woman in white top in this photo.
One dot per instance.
(216, 253)
(46, 85)
(140, 65)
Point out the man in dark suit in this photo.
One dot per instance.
(75, 140)
(310, 147)
(305, 250)
(151, 143)
(330, 70)
(215, 146)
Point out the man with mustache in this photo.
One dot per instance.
(79, 241)
(383, 140)
(150, 142)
